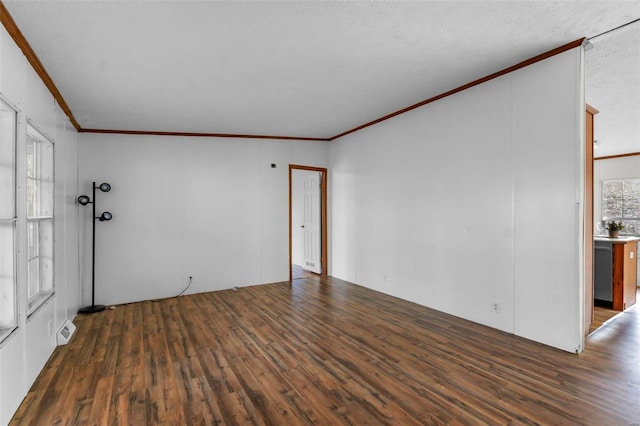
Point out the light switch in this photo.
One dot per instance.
(631, 255)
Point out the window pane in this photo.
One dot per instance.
(621, 202)
(631, 227)
(7, 281)
(7, 161)
(612, 198)
(31, 176)
(40, 261)
(40, 188)
(631, 198)
(46, 179)
(46, 255)
(8, 315)
(39, 175)
(33, 267)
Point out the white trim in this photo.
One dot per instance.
(9, 103)
(14, 324)
(40, 299)
(35, 128)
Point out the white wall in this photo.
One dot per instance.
(24, 353)
(455, 205)
(210, 208)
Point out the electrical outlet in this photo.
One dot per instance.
(495, 307)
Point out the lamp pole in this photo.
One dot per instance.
(84, 200)
(93, 253)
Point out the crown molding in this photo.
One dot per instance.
(609, 157)
(195, 134)
(24, 45)
(17, 36)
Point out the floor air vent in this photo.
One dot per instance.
(65, 333)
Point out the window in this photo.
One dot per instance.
(40, 219)
(621, 202)
(8, 313)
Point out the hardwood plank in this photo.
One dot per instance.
(298, 272)
(323, 351)
(227, 390)
(102, 401)
(601, 316)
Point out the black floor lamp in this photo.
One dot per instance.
(84, 200)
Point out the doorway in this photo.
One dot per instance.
(611, 67)
(307, 221)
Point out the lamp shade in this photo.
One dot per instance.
(105, 187)
(105, 216)
(84, 200)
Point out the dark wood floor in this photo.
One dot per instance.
(602, 316)
(297, 272)
(323, 351)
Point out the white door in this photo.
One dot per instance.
(311, 223)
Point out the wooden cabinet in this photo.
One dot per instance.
(616, 272)
(624, 275)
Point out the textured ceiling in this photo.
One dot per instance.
(311, 69)
(612, 86)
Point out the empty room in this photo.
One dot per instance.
(319, 212)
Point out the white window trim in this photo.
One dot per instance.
(8, 331)
(40, 299)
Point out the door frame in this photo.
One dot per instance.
(589, 220)
(323, 215)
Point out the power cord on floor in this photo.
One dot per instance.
(164, 298)
(186, 288)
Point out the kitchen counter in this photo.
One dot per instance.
(616, 240)
(615, 272)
